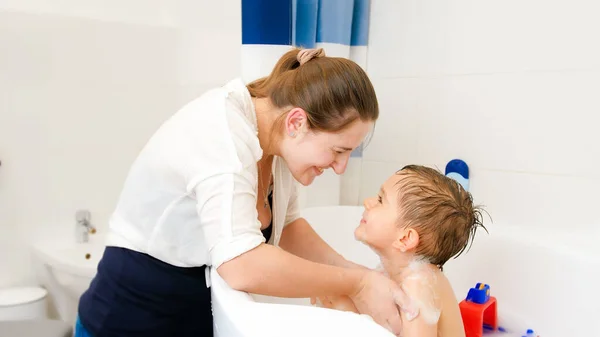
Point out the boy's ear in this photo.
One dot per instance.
(407, 239)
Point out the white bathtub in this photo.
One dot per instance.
(539, 279)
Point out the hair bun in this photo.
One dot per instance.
(306, 55)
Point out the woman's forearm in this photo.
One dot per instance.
(300, 239)
(269, 270)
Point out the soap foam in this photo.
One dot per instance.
(420, 281)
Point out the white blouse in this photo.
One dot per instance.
(190, 196)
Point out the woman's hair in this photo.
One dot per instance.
(333, 91)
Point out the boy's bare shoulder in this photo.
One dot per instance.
(424, 285)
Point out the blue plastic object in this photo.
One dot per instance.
(480, 294)
(459, 171)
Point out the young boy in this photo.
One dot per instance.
(417, 222)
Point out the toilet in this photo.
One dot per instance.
(23, 303)
(23, 313)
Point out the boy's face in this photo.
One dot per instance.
(379, 227)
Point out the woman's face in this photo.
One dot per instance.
(309, 153)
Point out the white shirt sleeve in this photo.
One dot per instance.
(223, 181)
(226, 206)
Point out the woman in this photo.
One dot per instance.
(216, 183)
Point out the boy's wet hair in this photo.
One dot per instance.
(440, 210)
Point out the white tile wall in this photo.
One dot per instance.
(374, 174)
(541, 200)
(510, 87)
(83, 86)
(350, 182)
(492, 36)
(324, 191)
(404, 37)
(396, 131)
(527, 122)
(411, 38)
(8, 236)
(147, 12)
(209, 40)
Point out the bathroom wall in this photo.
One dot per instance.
(511, 87)
(82, 87)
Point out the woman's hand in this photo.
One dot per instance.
(382, 299)
(342, 303)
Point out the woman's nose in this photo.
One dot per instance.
(339, 164)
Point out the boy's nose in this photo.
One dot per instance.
(368, 202)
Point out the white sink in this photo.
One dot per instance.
(68, 268)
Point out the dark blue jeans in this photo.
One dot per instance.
(134, 294)
(80, 331)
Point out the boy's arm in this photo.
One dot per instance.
(418, 327)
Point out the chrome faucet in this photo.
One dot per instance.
(83, 226)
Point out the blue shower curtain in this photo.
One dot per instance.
(271, 27)
(339, 26)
